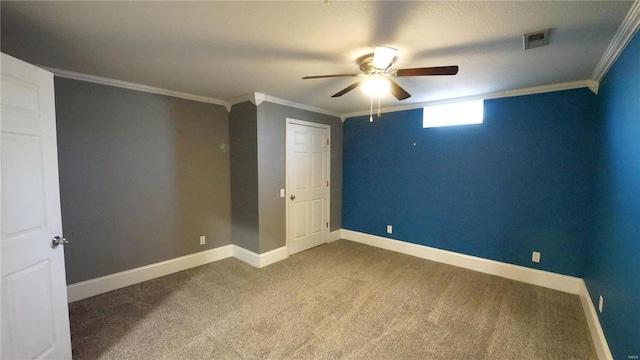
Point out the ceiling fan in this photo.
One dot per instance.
(376, 70)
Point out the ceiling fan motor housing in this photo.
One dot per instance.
(366, 64)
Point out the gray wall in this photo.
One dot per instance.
(244, 176)
(258, 137)
(142, 176)
(272, 174)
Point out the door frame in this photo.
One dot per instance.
(327, 128)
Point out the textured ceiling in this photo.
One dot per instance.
(225, 50)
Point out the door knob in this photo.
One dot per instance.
(57, 240)
(292, 197)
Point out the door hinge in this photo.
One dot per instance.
(327, 224)
(327, 183)
(327, 141)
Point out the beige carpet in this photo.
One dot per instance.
(342, 300)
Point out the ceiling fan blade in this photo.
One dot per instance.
(397, 91)
(425, 71)
(347, 89)
(329, 76)
(383, 56)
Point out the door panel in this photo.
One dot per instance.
(300, 171)
(307, 185)
(30, 289)
(23, 184)
(317, 216)
(317, 170)
(300, 220)
(35, 318)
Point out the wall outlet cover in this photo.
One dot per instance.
(389, 229)
(203, 240)
(600, 303)
(535, 257)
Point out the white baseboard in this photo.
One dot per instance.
(335, 235)
(260, 260)
(597, 335)
(547, 279)
(103, 284)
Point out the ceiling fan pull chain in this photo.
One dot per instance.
(371, 110)
(379, 107)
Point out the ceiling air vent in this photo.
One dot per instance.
(536, 39)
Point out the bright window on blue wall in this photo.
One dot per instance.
(460, 113)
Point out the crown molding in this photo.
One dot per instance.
(296, 105)
(131, 86)
(625, 32)
(258, 98)
(592, 85)
(255, 98)
(229, 104)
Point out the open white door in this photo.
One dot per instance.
(35, 316)
(308, 164)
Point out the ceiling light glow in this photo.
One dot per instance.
(383, 56)
(376, 86)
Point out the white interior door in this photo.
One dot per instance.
(308, 164)
(35, 317)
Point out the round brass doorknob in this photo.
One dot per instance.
(292, 197)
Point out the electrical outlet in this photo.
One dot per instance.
(535, 257)
(600, 303)
(389, 229)
(203, 240)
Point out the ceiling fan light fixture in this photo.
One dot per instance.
(376, 73)
(383, 56)
(376, 86)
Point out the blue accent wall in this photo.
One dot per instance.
(520, 182)
(613, 262)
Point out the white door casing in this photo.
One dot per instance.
(308, 160)
(35, 318)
